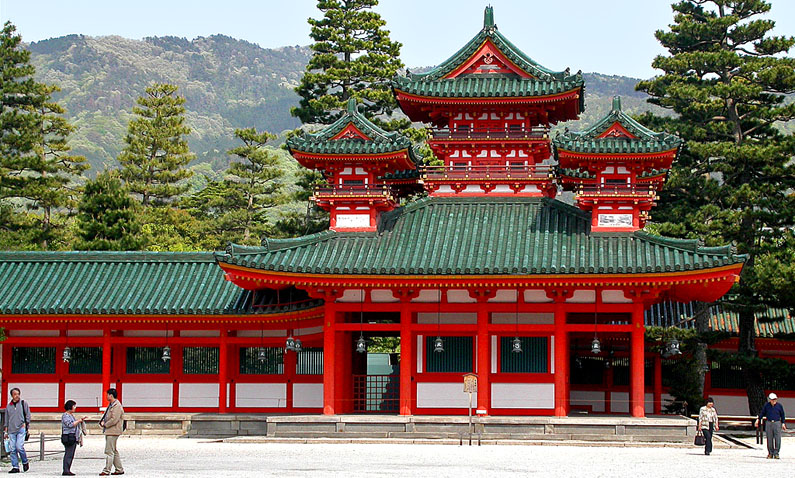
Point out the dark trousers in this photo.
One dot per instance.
(68, 456)
(708, 438)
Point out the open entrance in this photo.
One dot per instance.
(376, 374)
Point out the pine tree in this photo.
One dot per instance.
(353, 57)
(156, 152)
(726, 77)
(107, 218)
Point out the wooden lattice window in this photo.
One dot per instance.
(37, 360)
(534, 357)
(147, 360)
(200, 360)
(310, 361)
(86, 360)
(457, 355)
(251, 365)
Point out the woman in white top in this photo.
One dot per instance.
(708, 423)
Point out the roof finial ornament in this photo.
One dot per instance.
(488, 19)
(616, 103)
(351, 105)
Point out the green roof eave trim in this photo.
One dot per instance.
(588, 141)
(485, 87)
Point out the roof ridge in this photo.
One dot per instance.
(106, 256)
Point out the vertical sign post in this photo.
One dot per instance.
(470, 386)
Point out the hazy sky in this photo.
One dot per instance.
(614, 37)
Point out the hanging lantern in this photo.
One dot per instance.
(673, 347)
(361, 345)
(289, 345)
(517, 346)
(298, 345)
(262, 356)
(67, 354)
(438, 345)
(166, 354)
(596, 346)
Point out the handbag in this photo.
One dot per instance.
(699, 440)
(68, 439)
(7, 445)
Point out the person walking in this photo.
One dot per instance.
(708, 423)
(773, 412)
(16, 430)
(112, 423)
(70, 435)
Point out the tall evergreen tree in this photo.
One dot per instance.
(353, 57)
(726, 77)
(107, 218)
(156, 154)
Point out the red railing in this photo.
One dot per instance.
(503, 171)
(490, 133)
(616, 190)
(376, 393)
(335, 192)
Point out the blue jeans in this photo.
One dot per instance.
(18, 446)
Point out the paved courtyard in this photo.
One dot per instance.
(170, 457)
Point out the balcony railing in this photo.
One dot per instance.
(364, 192)
(608, 190)
(503, 171)
(490, 133)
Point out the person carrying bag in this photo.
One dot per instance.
(707, 425)
(70, 435)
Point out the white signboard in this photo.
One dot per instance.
(615, 220)
(352, 220)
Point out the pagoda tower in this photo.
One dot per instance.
(490, 107)
(616, 168)
(354, 155)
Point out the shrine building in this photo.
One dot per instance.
(489, 273)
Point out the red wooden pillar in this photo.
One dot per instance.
(106, 354)
(329, 355)
(223, 366)
(636, 363)
(406, 358)
(483, 355)
(657, 384)
(561, 362)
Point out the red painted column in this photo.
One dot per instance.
(657, 384)
(406, 358)
(561, 362)
(484, 358)
(106, 354)
(223, 366)
(636, 359)
(329, 355)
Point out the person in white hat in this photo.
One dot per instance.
(773, 412)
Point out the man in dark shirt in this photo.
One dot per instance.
(774, 413)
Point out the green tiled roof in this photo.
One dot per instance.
(587, 141)
(480, 236)
(770, 322)
(544, 81)
(380, 142)
(141, 283)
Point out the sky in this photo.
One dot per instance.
(611, 37)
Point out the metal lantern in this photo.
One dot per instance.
(596, 346)
(517, 346)
(166, 354)
(289, 345)
(361, 345)
(262, 356)
(673, 347)
(298, 345)
(67, 354)
(438, 345)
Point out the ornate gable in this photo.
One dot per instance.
(488, 59)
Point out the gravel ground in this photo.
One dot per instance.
(170, 457)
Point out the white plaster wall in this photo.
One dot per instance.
(538, 296)
(252, 395)
(733, 404)
(583, 398)
(444, 395)
(420, 352)
(84, 333)
(353, 220)
(614, 297)
(33, 333)
(447, 318)
(619, 402)
(529, 188)
(308, 395)
(502, 189)
(493, 354)
(148, 333)
(147, 394)
(352, 295)
(383, 295)
(459, 296)
(263, 333)
(523, 395)
(582, 297)
(37, 394)
(199, 333)
(87, 395)
(309, 330)
(504, 295)
(198, 395)
(524, 318)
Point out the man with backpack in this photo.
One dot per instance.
(112, 423)
(16, 430)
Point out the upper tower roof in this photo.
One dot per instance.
(490, 67)
(617, 133)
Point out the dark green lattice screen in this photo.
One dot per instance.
(621, 370)
(33, 359)
(251, 365)
(457, 355)
(310, 361)
(200, 360)
(726, 376)
(86, 360)
(146, 360)
(533, 358)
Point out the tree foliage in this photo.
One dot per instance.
(725, 77)
(353, 58)
(156, 154)
(107, 218)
